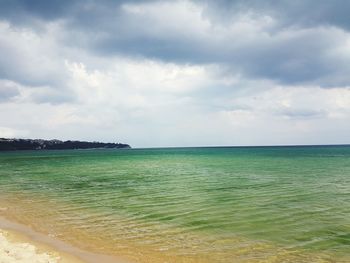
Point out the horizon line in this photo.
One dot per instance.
(247, 146)
(198, 146)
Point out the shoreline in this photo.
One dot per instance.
(21, 241)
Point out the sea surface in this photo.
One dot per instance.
(224, 204)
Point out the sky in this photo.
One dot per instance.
(176, 73)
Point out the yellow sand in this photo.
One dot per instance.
(11, 252)
(19, 243)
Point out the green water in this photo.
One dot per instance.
(235, 203)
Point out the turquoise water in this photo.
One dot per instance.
(254, 204)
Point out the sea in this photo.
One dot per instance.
(206, 204)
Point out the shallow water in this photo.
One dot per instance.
(255, 204)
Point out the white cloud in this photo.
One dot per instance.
(30, 57)
(162, 18)
(6, 132)
(299, 102)
(55, 85)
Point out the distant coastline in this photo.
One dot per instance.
(39, 144)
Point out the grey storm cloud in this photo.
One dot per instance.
(298, 12)
(303, 13)
(105, 29)
(185, 73)
(22, 11)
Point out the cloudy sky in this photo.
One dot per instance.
(176, 73)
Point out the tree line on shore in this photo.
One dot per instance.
(39, 144)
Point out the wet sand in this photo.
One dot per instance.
(20, 243)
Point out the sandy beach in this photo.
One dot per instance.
(16, 251)
(19, 243)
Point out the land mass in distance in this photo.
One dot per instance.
(39, 144)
